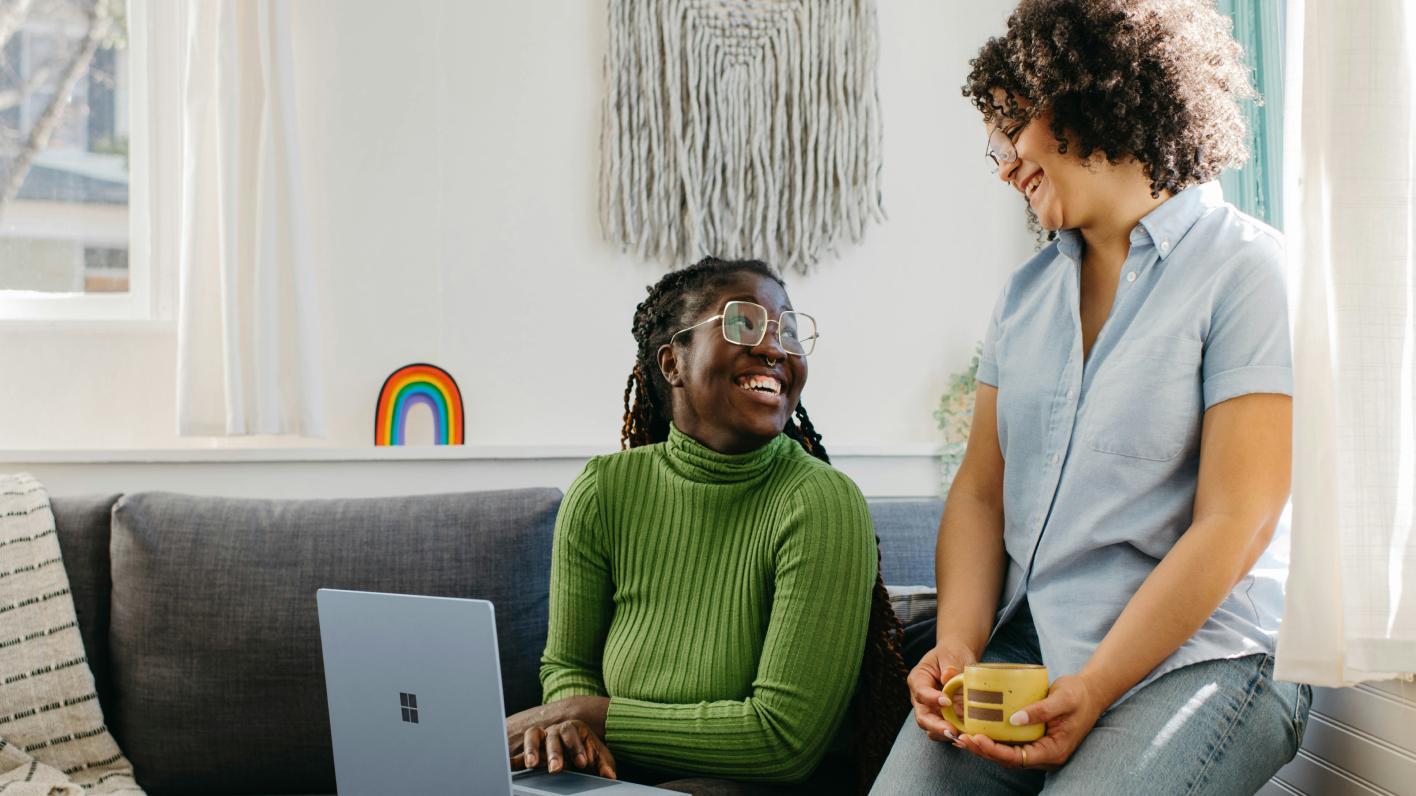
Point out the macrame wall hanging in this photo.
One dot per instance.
(740, 128)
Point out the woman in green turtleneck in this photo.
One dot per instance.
(715, 589)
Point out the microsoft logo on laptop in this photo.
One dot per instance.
(410, 707)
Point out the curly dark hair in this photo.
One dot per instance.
(1157, 80)
(881, 699)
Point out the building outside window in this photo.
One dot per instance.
(64, 165)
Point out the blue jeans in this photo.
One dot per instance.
(1222, 726)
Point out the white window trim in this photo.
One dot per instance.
(151, 294)
(26, 306)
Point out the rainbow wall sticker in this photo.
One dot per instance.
(414, 385)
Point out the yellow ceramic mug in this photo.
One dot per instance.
(992, 693)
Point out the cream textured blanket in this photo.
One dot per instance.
(53, 741)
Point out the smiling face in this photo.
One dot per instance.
(728, 396)
(1055, 185)
(1063, 190)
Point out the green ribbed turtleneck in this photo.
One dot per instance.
(720, 601)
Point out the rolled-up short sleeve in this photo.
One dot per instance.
(988, 359)
(1248, 348)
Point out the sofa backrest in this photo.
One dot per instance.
(82, 527)
(217, 673)
(907, 529)
(207, 653)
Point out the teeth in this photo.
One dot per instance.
(765, 384)
(1031, 187)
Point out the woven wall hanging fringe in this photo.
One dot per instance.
(740, 128)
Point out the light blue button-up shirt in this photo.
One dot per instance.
(1102, 454)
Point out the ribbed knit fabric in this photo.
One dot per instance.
(720, 601)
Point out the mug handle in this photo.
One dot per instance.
(955, 683)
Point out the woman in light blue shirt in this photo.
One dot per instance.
(1130, 452)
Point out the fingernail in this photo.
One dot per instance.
(1019, 719)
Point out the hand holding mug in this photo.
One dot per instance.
(927, 680)
(994, 695)
(1069, 712)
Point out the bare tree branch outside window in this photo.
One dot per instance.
(12, 13)
(99, 19)
(63, 145)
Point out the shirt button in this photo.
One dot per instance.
(1131, 277)
(1071, 393)
(1054, 458)
(1165, 246)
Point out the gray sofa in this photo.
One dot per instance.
(198, 613)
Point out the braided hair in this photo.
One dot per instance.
(881, 699)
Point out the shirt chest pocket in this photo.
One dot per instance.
(1147, 401)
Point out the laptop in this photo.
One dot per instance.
(415, 701)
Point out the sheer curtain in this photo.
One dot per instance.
(228, 216)
(1351, 223)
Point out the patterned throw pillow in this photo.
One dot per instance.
(51, 726)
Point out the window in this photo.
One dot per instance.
(1257, 187)
(409, 705)
(65, 88)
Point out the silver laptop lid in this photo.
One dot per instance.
(415, 697)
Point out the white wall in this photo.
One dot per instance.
(452, 176)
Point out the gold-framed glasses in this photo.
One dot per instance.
(745, 323)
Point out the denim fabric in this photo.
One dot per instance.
(1102, 453)
(1216, 727)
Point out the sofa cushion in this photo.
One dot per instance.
(82, 525)
(907, 529)
(217, 671)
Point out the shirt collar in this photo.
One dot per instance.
(1168, 223)
(1162, 227)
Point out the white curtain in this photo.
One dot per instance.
(247, 345)
(1351, 224)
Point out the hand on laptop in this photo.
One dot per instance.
(570, 742)
(568, 731)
